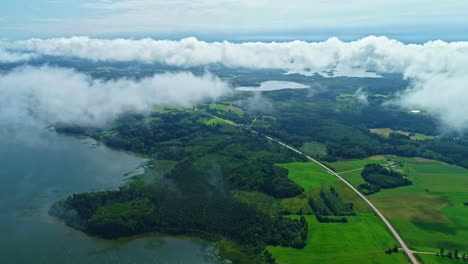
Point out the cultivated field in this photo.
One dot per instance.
(308, 175)
(362, 240)
(431, 259)
(429, 214)
(385, 132)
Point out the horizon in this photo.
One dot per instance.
(236, 21)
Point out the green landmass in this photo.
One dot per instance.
(263, 188)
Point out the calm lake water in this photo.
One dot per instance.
(37, 170)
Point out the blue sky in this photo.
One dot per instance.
(236, 20)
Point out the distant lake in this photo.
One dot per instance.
(38, 170)
(273, 86)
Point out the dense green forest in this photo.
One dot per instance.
(213, 215)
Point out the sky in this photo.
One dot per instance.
(414, 21)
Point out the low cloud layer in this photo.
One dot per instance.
(371, 53)
(7, 56)
(437, 69)
(47, 95)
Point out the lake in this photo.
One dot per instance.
(40, 168)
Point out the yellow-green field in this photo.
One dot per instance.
(227, 108)
(430, 213)
(224, 126)
(385, 132)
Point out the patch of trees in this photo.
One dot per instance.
(368, 189)
(455, 254)
(390, 251)
(330, 204)
(376, 174)
(264, 177)
(269, 259)
(326, 219)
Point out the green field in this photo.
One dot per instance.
(362, 240)
(296, 205)
(308, 175)
(227, 108)
(429, 214)
(431, 259)
(345, 97)
(214, 122)
(350, 169)
(385, 132)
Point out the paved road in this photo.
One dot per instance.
(397, 236)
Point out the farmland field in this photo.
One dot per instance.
(431, 259)
(308, 175)
(429, 214)
(385, 132)
(226, 108)
(362, 240)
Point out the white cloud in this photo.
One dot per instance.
(361, 96)
(445, 96)
(431, 66)
(374, 53)
(47, 95)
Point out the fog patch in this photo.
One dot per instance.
(257, 103)
(361, 96)
(46, 95)
(443, 96)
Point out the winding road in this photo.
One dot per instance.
(397, 236)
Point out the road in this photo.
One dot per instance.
(397, 236)
(343, 172)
